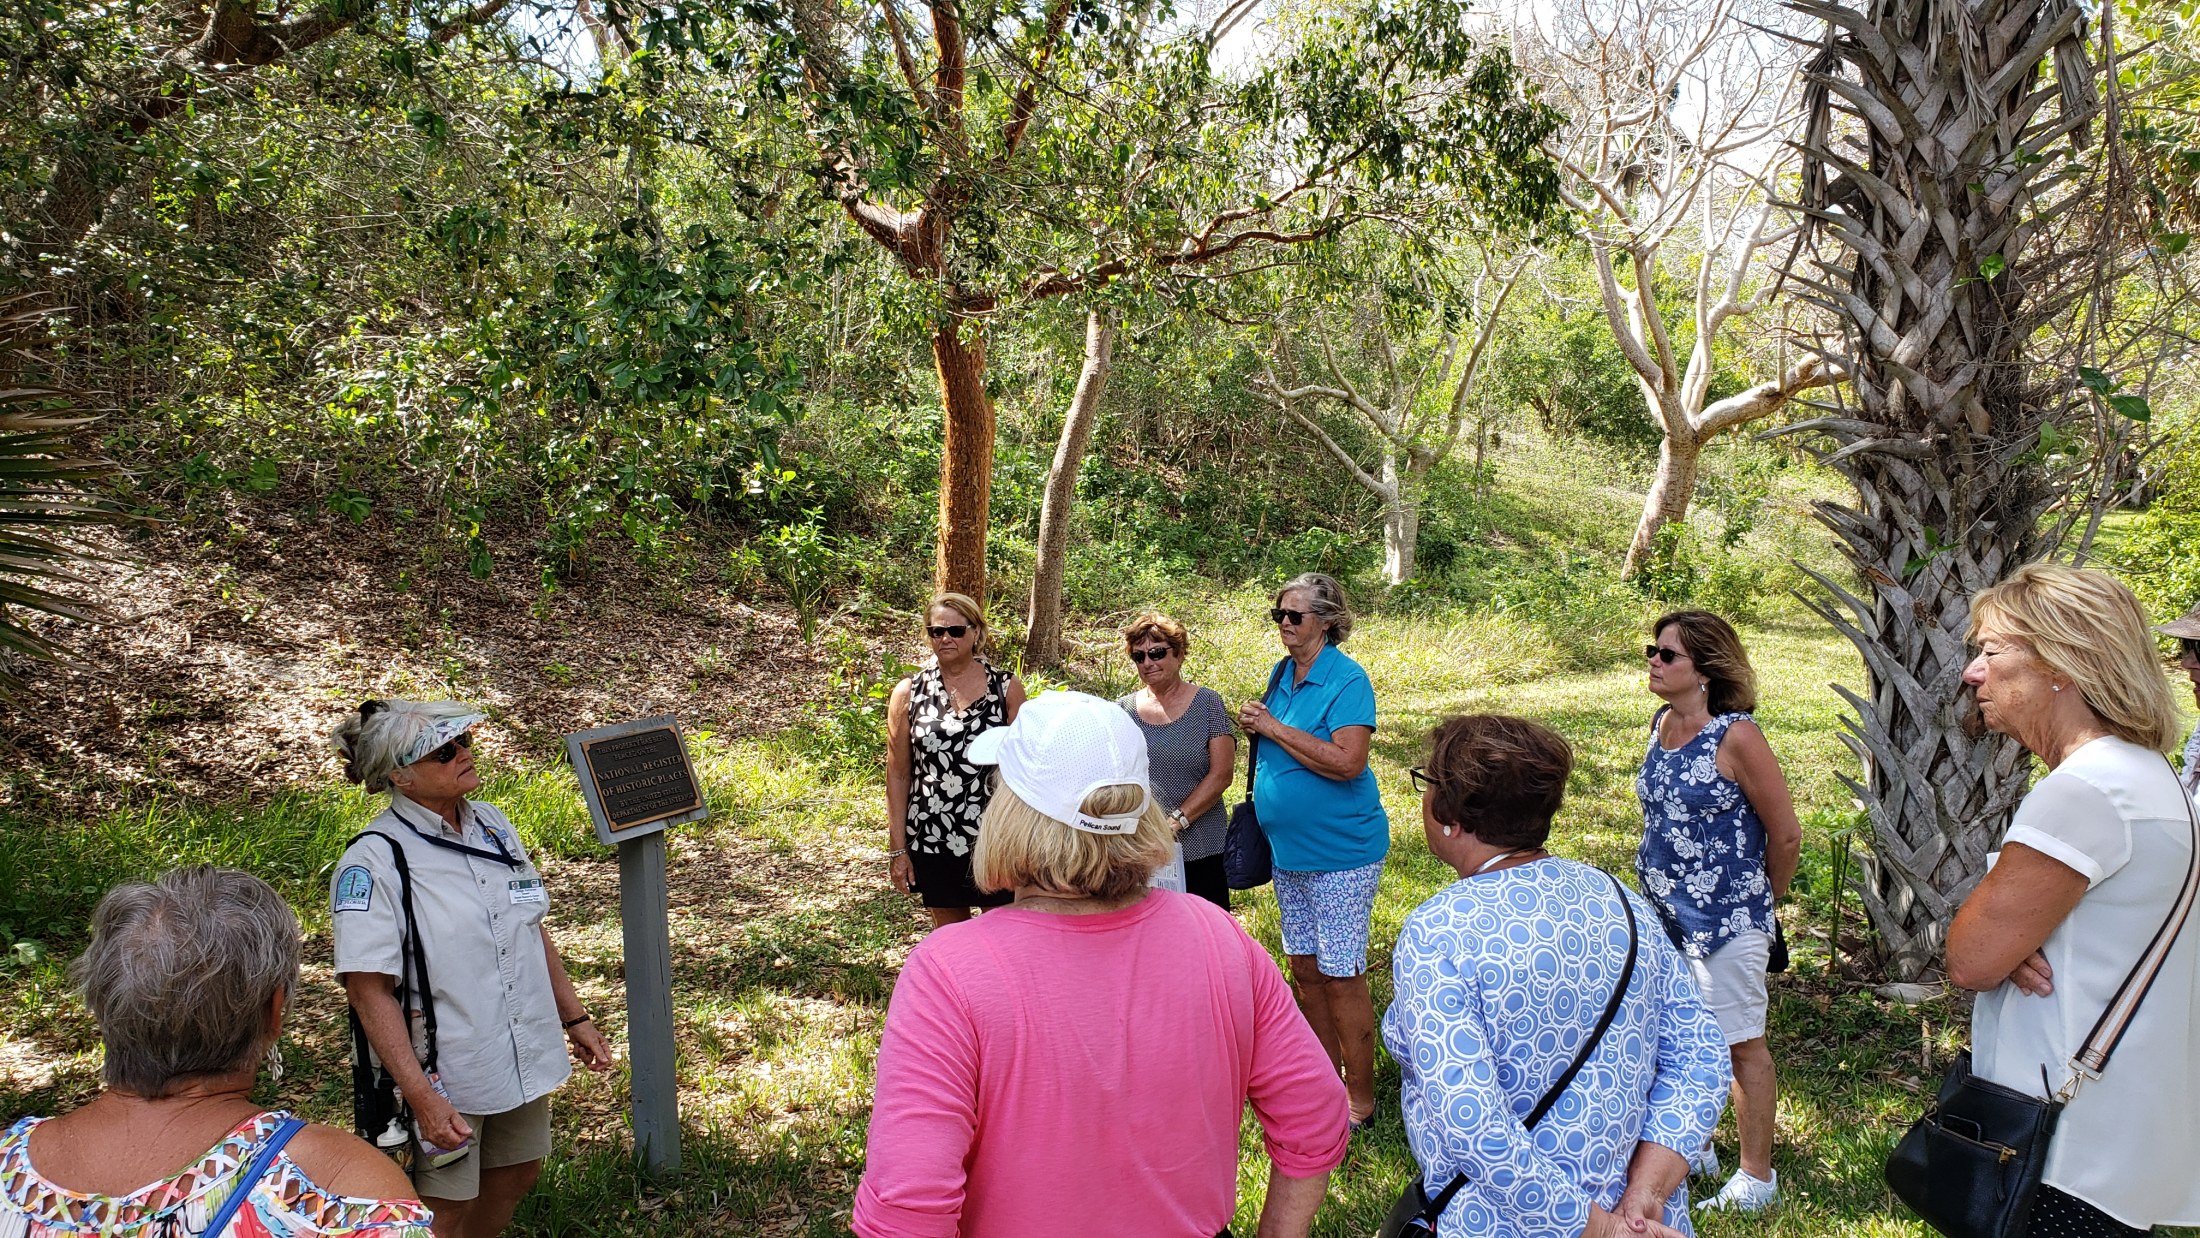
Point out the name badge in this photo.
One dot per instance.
(528, 890)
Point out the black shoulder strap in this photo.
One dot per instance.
(1558, 1086)
(1252, 742)
(412, 954)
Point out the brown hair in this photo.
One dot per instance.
(1020, 846)
(1154, 623)
(2088, 628)
(1498, 777)
(1716, 649)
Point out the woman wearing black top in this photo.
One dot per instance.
(934, 795)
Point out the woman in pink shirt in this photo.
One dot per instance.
(1077, 1063)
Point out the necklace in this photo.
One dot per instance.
(1502, 856)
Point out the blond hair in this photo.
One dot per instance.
(966, 606)
(2088, 628)
(1020, 846)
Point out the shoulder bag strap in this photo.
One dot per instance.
(251, 1176)
(1558, 1086)
(1252, 742)
(2093, 1056)
(413, 954)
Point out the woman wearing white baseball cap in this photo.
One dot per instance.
(1078, 1062)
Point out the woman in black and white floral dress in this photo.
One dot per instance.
(934, 795)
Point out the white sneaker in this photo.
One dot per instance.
(1705, 1164)
(1743, 1193)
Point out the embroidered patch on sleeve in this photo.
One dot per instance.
(354, 889)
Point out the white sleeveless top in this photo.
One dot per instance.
(2129, 1143)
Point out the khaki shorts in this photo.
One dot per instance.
(513, 1137)
(1733, 984)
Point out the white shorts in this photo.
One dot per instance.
(1733, 984)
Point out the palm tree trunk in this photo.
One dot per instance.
(1913, 109)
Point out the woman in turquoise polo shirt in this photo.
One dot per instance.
(1317, 801)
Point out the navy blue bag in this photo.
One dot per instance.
(1247, 860)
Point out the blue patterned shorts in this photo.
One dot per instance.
(1326, 915)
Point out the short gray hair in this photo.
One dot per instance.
(181, 972)
(1330, 605)
(378, 738)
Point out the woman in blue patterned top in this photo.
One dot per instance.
(1719, 844)
(1501, 979)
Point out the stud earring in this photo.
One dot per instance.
(2058, 687)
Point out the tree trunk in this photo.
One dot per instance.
(1948, 501)
(966, 456)
(1401, 521)
(1679, 458)
(1043, 629)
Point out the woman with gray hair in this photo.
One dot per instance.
(1317, 802)
(439, 884)
(189, 978)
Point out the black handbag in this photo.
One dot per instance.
(1247, 860)
(1416, 1212)
(378, 1109)
(1971, 1166)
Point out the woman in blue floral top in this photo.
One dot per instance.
(1719, 844)
(1500, 980)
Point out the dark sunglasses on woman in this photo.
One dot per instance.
(2187, 647)
(1159, 653)
(1292, 617)
(954, 630)
(1662, 654)
(449, 752)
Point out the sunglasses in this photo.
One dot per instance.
(1421, 780)
(1292, 617)
(1159, 653)
(1662, 654)
(954, 630)
(2187, 647)
(449, 752)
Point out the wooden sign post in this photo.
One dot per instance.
(637, 780)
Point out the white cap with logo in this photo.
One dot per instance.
(1062, 747)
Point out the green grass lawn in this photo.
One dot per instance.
(787, 938)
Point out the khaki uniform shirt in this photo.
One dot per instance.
(480, 904)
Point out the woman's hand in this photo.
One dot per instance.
(2034, 976)
(1604, 1224)
(590, 1048)
(1254, 717)
(438, 1119)
(902, 873)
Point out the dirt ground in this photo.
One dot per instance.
(233, 650)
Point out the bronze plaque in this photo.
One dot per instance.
(641, 777)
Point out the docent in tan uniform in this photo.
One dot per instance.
(479, 1046)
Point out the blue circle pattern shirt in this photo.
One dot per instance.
(1500, 979)
(1702, 859)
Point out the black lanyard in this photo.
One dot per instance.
(500, 855)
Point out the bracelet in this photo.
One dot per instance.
(570, 1024)
(895, 855)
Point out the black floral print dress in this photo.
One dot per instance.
(947, 794)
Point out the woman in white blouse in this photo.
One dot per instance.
(2084, 879)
